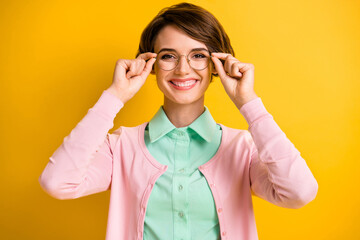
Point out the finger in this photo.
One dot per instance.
(139, 66)
(235, 70)
(148, 68)
(230, 61)
(136, 67)
(244, 67)
(228, 65)
(122, 65)
(227, 59)
(222, 56)
(132, 70)
(147, 55)
(219, 67)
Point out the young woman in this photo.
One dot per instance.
(181, 175)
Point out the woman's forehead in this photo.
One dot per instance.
(171, 37)
(195, 50)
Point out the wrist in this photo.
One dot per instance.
(123, 97)
(245, 99)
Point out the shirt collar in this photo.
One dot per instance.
(160, 125)
(204, 125)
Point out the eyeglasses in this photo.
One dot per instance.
(197, 59)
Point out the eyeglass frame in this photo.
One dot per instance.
(187, 57)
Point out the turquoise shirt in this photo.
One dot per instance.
(181, 205)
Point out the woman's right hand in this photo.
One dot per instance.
(130, 75)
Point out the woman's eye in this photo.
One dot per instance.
(167, 56)
(199, 55)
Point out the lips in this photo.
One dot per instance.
(183, 84)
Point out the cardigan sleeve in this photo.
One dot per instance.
(82, 165)
(278, 173)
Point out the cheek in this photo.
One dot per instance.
(160, 76)
(208, 74)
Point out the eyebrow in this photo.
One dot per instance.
(173, 50)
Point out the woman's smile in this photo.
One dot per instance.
(183, 84)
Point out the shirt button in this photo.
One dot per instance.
(180, 187)
(181, 214)
(182, 170)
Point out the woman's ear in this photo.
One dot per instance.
(213, 69)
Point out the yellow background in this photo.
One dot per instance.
(56, 58)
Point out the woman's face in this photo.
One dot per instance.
(182, 85)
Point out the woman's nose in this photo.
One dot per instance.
(183, 66)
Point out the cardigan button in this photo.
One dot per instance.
(224, 233)
(219, 210)
(212, 185)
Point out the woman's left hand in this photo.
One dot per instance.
(237, 78)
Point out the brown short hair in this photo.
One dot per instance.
(195, 21)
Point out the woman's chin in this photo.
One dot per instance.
(183, 100)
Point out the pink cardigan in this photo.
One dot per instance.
(261, 161)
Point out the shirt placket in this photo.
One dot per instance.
(180, 186)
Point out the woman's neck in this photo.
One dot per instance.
(182, 115)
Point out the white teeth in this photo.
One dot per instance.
(184, 84)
